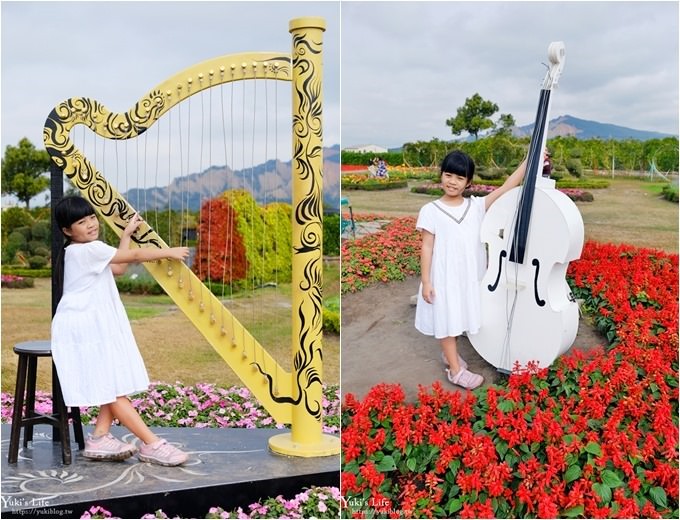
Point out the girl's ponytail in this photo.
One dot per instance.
(58, 270)
(67, 211)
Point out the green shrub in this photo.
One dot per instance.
(25, 272)
(267, 236)
(41, 231)
(331, 234)
(575, 167)
(41, 250)
(670, 193)
(391, 158)
(13, 218)
(491, 173)
(375, 184)
(331, 321)
(141, 285)
(15, 242)
(37, 262)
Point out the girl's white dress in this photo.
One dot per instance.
(93, 348)
(458, 265)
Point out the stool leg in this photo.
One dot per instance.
(18, 409)
(74, 413)
(61, 411)
(56, 390)
(30, 398)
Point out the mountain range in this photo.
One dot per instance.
(583, 129)
(267, 182)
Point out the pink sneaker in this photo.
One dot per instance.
(461, 361)
(465, 378)
(163, 453)
(107, 447)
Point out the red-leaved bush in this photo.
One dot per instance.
(220, 255)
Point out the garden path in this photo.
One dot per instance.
(381, 344)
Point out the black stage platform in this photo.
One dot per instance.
(226, 467)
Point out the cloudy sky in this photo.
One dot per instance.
(408, 66)
(115, 52)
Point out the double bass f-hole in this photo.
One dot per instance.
(502, 255)
(537, 264)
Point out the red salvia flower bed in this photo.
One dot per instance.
(593, 436)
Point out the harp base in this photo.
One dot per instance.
(283, 444)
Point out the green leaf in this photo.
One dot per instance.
(502, 448)
(658, 494)
(455, 504)
(611, 479)
(603, 491)
(594, 448)
(572, 473)
(506, 406)
(411, 464)
(574, 512)
(386, 464)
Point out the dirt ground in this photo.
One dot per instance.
(381, 344)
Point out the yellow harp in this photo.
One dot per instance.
(296, 396)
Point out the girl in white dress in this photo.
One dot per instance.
(453, 261)
(94, 351)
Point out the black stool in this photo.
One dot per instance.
(29, 352)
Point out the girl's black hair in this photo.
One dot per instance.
(459, 163)
(71, 209)
(67, 211)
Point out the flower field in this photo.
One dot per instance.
(199, 406)
(593, 436)
(389, 255)
(12, 281)
(316, 502)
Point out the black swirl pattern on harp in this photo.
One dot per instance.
(308, 212)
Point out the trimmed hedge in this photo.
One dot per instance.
(375, 184)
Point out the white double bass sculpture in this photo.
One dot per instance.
(532, 232)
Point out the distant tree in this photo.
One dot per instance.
(473, 117)
(23, 171)
(505, 124)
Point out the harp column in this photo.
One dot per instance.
(306, 438)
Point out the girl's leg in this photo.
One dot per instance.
(450, 349)
(104, 420)
(123, 410)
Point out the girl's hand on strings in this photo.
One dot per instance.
(178, 253)
(132, 225)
